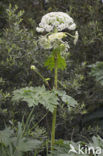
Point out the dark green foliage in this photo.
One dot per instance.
(93, 117)
(97, 72)
(97, 115)
(17, 47)
(12, 144)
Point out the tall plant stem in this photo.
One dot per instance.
(55, 110)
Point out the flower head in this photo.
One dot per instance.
(58, 35)
(58, 20)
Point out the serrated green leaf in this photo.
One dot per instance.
(34, 96)
(70, 101)
(50, 63)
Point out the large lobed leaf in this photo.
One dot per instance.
(49, 99)
(34, 96)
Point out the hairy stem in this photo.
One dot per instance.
(55, 110)
(44, 80)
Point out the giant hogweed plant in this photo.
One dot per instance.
(52, 24)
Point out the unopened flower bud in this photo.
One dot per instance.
(33, 67)
(76, 37)
(58, 35)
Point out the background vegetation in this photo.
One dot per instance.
(82, 78)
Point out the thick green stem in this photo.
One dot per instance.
(55, 110)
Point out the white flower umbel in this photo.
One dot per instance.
(55, 23)
(53, 41)
(58, 20)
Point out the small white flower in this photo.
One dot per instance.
(39, 29)
(67, 46)
(44, 42)
(72, 26)
(48, 28)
